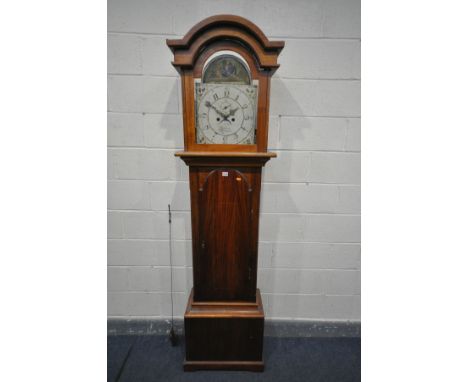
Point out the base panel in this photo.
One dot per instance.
(224, 335)
(257, 366)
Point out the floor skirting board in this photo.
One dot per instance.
(273, 328)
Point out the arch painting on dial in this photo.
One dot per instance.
(226, 69)
(226, 102)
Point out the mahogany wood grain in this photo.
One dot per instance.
(225, 335)
(224, 319)
(224, 365)
(220, 159)
(225, 221)
(224, 265)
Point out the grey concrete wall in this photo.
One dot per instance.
(309, 253)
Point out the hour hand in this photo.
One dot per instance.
(232, 111)
(209, 104)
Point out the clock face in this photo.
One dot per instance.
(226, 113)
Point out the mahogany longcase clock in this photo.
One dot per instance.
(225, 63)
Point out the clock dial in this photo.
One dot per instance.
(226, 113)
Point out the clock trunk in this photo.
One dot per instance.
(225, 204)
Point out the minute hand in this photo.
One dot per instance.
(209, 104)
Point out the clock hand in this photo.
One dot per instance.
(232, 111)
(225, 116)
(221, 113)
(226, 113)
(209, 104)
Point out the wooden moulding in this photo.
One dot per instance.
(225, 27)
(233, 159)
(224, 365)
(231, 333)
(226, 309)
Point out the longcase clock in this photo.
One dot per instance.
(225, 63)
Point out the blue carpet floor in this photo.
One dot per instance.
(152, 358)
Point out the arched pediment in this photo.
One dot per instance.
(225, 27)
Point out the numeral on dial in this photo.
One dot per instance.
(215, 97)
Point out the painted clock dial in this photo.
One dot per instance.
(226, 113)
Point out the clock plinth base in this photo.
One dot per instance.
(224, 335)
(224, 365)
